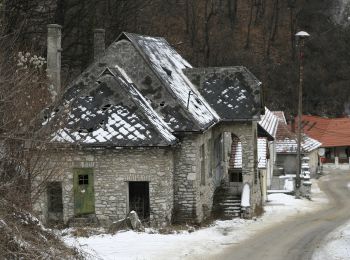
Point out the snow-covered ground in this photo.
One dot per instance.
(210, 240)
(336, 245)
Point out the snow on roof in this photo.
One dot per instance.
(286, 140)
(111, 112)
(236, 154)
(269, 122)
(168, 66)
(234, 92)
(309, 144)
(286, 146)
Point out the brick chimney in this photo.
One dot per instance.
(99, 43)
(54, 58)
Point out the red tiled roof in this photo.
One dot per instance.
(329, 131)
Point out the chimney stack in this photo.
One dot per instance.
(99, 43)
(54, 57)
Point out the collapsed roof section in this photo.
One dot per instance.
(168, 66)
(110, 112)
(104, 106)
(234, 92)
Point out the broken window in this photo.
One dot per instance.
(202, 159)
(84, 179)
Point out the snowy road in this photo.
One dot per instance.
(298, 237)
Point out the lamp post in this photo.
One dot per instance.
(301, 36)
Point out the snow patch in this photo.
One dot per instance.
(199, 244)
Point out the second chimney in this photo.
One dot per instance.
(54, 57)
(99, 43)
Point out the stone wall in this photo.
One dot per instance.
(193, 197)
(247, 133)
(112, 170)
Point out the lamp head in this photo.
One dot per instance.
(302, 35)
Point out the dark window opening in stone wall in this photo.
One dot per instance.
(202, 159)
(235, 176)
(54, 195)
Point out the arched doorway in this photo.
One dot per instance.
(235, 178)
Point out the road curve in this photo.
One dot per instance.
(296, 238)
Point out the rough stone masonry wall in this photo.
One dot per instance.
(247, 133)
(193, 199)
(112, 170)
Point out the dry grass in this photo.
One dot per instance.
(23, 237)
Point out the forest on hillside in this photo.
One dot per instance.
(258, 34)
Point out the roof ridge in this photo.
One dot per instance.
(167, 136)
(171, 91)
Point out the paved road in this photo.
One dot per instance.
(296, 239)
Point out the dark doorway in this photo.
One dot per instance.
(54, 201)
(139, 199)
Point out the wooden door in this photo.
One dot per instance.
(84, 199)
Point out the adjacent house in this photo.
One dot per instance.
(286, 150)
(334, 135)
(141, 129)
(269, 122)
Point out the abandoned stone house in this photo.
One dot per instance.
(140, 129)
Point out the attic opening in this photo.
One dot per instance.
(106, 106)
(85, 130)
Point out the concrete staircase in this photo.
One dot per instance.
(226, 204)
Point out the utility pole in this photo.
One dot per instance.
(301, 36)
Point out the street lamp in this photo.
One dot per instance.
(301, 36)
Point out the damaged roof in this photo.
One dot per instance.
(110, 112)
(105, 106)
(234, 92)
(168, 66)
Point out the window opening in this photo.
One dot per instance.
(84, 179)
(54, 194)
(236, 176)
